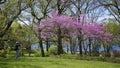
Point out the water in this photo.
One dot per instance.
(114, 47)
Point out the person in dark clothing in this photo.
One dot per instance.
(17, 49)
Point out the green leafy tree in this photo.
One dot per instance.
(9, 12)
(113, 27)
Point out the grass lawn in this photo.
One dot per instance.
(39, 62)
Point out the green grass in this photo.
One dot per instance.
(39, 62)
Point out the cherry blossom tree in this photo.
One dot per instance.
(96, 31)
(82, 22)
(58, 25)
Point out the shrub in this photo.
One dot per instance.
(4, 52)
(37, 53)
(53, 51)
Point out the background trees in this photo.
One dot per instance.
(113, 28)
(60, 26)
(77, 20)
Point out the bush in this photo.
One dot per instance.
(53, 51)
(3, 53)
(47, 54)
(37, 53)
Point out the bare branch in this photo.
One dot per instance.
(2, 1)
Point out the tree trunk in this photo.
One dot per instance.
(29, 54)
(79, 35)
(29, 48)
(71, 47)
(90, 46)
(47, 45)
(42, 49)
(107, 51)
(95, 50)
(85, 47)
(60, 49)
(67, 49)
(80, 45)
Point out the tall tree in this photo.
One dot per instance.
(97, 32)
(79, 7)
(8, 14)
(57, 25)
(39, 10)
